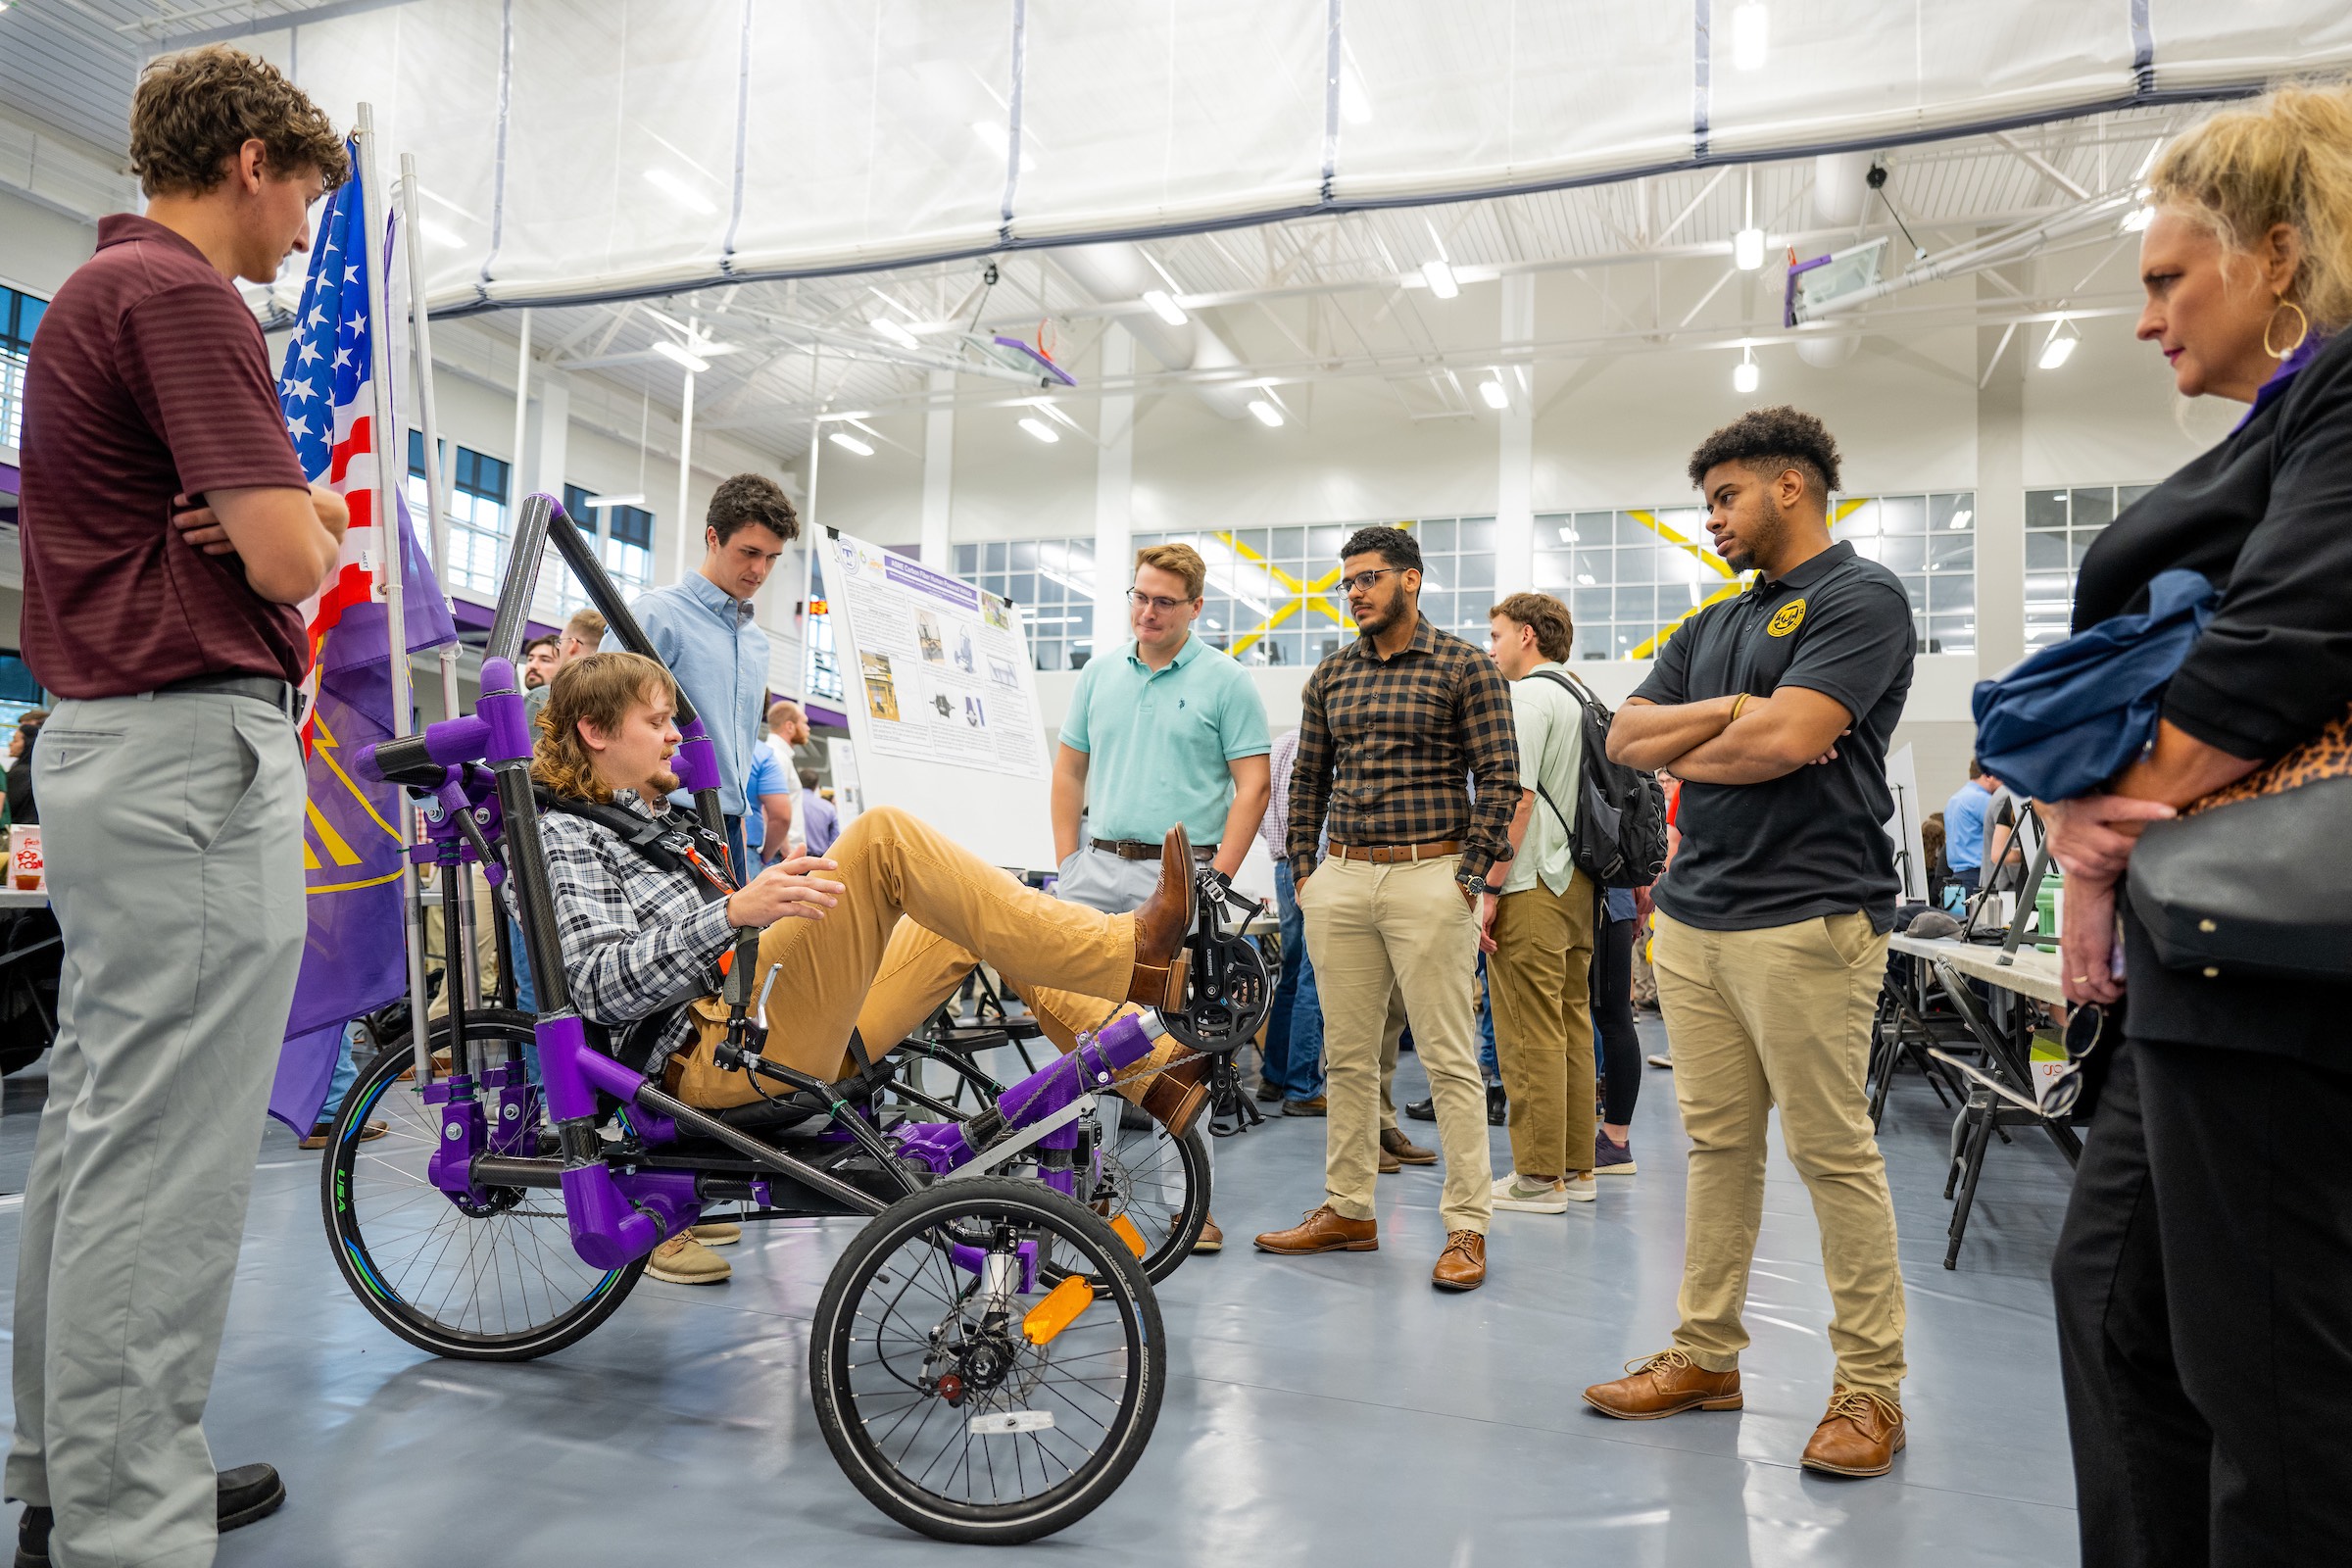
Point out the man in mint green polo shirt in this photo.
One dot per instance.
(1163, 731)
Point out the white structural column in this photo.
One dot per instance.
(2000, 495)
(1515, 472)
(1114, 491)
(939, 473)
(547, 437)
(523, 413)
(688, 536)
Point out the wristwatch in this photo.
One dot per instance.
(1472, 883)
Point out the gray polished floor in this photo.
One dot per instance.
(1330, 1410)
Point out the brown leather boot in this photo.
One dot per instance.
(1161, 926)
(1860, 1436)
(1324, 1230)
(1462, 1267)
(1663, 1385)
(1175, 1099)
(1408, 1153)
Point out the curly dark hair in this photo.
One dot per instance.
(1392, 545)
(1767, 441)
(751, 498)
(194, 110)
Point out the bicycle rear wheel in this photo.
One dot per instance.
(930, 1384)
(494, 1283)
(1160, 1184)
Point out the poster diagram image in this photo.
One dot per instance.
(965, 660)
(943, 704)
(996, 612)
(974, 715)
(927, 637)
(1000, 672)
(881, 691)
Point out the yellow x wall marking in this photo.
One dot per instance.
(1650, 650)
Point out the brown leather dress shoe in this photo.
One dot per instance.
(1462, 1267)
(1860, 1436)
(1663, 1385)
(1408, 1153)
(1175, 1099)
(1324, 1230)
(1211, 1239)
(1389, 1164)
(1161, 926)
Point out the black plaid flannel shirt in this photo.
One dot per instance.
(636, 938)
(1388, 747)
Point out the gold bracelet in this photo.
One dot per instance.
(1738, 703)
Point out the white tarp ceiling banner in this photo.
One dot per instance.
(586, 149)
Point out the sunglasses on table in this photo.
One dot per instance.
(2086, 1028)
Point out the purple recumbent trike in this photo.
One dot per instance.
(987, 1360)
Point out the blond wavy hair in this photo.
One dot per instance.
(2285, 158)
(601, 688)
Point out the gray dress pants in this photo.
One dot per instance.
(173, 826)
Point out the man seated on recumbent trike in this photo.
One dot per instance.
(872, 937)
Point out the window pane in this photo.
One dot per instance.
(2127, 494)
(1903, 553)
(996, 552)
(1952, 552)
(1862, 523)
(1478, 534)
(1902, 514)
(2045, 509)
(2094, 508)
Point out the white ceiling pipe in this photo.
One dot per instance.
(1117, 272)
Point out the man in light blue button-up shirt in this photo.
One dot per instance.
(703, 629)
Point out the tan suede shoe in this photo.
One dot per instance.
(1161, 924)
(683, 1260)
(1860, 1436)
(1663, 1385)
(1462, 1267)
(1212, 1240)
(1324, 1230)
(717, 1232)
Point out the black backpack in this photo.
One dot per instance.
(1619, 837)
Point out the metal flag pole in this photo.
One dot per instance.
(387, 552)
(460, 958)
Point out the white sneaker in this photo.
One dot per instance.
(1582, 1189)
(1516, 1191)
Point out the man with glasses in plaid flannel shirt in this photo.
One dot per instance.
(1396, 726)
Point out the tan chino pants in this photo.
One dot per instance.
(1782, 1016)
(1380, 930)
(1540, 978)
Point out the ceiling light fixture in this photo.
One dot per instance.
(1751, 28)
(1163, 305)
(1440, 278)
(1497, 395)
(2059, 346)
(1041, 430)
(679, 356)
(851, 443)
(1265, 412)
(888, 327)
(1745, 375)
(1569, 535)
(1583, 579)
(598, 503)
(1748, 246)
(1961, 518)
(2137, 218)
(677, 191)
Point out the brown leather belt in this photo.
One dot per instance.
(1398, 854)
(1137, 849)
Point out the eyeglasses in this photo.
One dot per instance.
(2087, 1027)
(1144, 601)
(1362, 581)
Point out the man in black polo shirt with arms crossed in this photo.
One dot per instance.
(1774, 708)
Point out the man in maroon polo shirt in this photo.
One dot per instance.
(168, 535)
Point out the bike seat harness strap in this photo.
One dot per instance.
(668, 841)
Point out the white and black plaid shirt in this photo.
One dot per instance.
(636, 939)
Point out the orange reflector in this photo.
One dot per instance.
(1059, 1310)
(726, 962)
(1127, 1233)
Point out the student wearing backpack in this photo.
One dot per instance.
(1537, 926)
(1774, 706)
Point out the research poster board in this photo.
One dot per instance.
(1903, 828)
(942, 697)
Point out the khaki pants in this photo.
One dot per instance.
(1782, 1017)
(1377, 931)
(1540, 978)
(855, 968)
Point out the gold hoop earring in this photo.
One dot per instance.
(2302, 329)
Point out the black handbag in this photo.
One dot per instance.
(2256, 879)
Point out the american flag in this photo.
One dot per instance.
(353, 859)
(329, 396)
